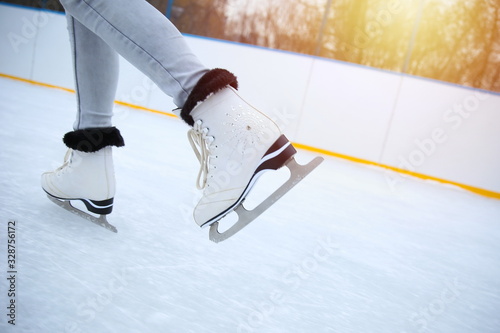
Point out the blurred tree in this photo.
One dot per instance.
(46, 4)
(370, 32)
(459, 42)
(55, 5)
(285, 25)
(161, 5)
(201, 17)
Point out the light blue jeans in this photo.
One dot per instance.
(100, 30)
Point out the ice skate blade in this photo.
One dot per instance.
(100, 221)
(297, 173)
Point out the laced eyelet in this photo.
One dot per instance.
(201, 143)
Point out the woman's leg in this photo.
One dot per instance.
(96, 76)
(143, 36)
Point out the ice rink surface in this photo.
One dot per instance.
(350, 249)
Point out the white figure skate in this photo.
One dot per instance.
(235, 143)
(85, 176)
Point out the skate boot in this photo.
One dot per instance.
(234, 143)
(87, 174)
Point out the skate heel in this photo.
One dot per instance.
(102, 207)
(245, 216)
(277, 155)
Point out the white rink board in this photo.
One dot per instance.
(347, 109)
(17, 41)
(343, 108)
(52, 60)
(449, 132)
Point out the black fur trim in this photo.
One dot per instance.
(213, 81)
(93, 139)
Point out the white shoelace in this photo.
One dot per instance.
(200, 142)
(67, 161)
